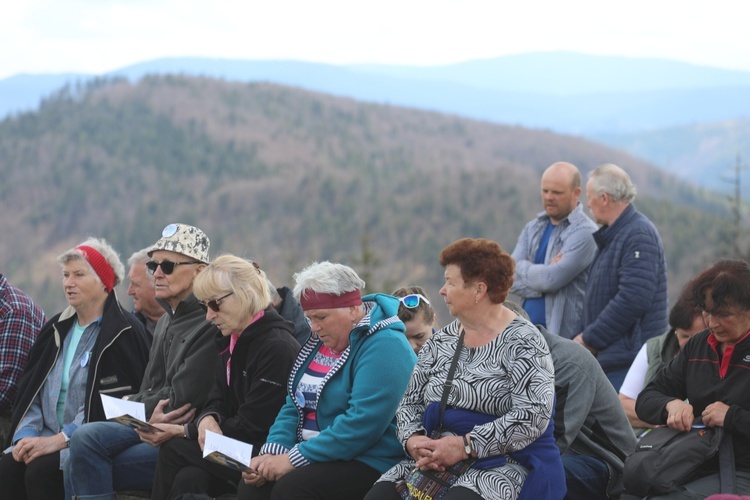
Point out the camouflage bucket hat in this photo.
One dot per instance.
(187, 240)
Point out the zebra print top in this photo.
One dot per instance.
(511, 377)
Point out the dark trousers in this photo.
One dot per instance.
(328, 480)
(586, 477)
(4, 427)
(42, 479)
(181, 469)
(386, 490)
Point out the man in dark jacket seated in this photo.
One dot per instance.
(108, 456)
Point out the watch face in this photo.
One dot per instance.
(467, 446)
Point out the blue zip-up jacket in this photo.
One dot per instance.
(626, 295)
(358, 398)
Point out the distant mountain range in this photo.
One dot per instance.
(706, 154)
(287, 176)
(597, 97)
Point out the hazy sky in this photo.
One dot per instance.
(96, 36)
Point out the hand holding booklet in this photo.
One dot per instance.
(227, 451)
(130, 413)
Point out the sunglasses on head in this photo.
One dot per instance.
(214, 305)
(167, 266)
(411, 301)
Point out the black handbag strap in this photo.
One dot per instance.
(726, 464)
(449, 379)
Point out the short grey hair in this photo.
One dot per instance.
(614, 181)
(101, 246)
(327, 277)
(140, 257)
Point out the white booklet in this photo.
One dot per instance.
(227, 451)
(130, 413)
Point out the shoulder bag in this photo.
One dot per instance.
(429, 484)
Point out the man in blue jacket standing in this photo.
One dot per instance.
(625, 302)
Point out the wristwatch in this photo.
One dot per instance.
(467, 445)
(67, 439)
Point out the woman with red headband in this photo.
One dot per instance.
(336, 433)
(92, 347)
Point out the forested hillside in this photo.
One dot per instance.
(288, 176)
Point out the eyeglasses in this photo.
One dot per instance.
(412, 301)
(214, 305)
(167, 266)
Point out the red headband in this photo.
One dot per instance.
(310, 299)
(100, 265)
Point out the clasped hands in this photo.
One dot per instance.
(267, 468)
(171, 423)
(435, 454)
(29, 449)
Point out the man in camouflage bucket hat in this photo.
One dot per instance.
(107, 456)
(187, 240)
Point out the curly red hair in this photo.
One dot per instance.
(480, 259)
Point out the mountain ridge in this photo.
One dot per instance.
(287, 176)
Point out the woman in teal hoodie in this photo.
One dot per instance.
(336, 433)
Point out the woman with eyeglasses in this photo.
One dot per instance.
(92, 347)
(417, 314)
(336, 432)
(256, 349)
(709, 379)
(499, 403)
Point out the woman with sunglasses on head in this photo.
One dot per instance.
(336, 432)
(485, 382)
(256, 350)
(417, 314)
(92, 347)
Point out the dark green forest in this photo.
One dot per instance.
(287, 177)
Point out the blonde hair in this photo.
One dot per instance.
(229, 273)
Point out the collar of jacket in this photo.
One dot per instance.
(271, 319)
(605, 234)
(188, 303)
(572, 217)
(112, 317)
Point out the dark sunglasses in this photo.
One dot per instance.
(214, 305)
(412, 301)
(167, 266)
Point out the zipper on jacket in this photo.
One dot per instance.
(96, 370)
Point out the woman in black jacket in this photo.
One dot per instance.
(256, 350)
(708, 382)
(92, 347)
